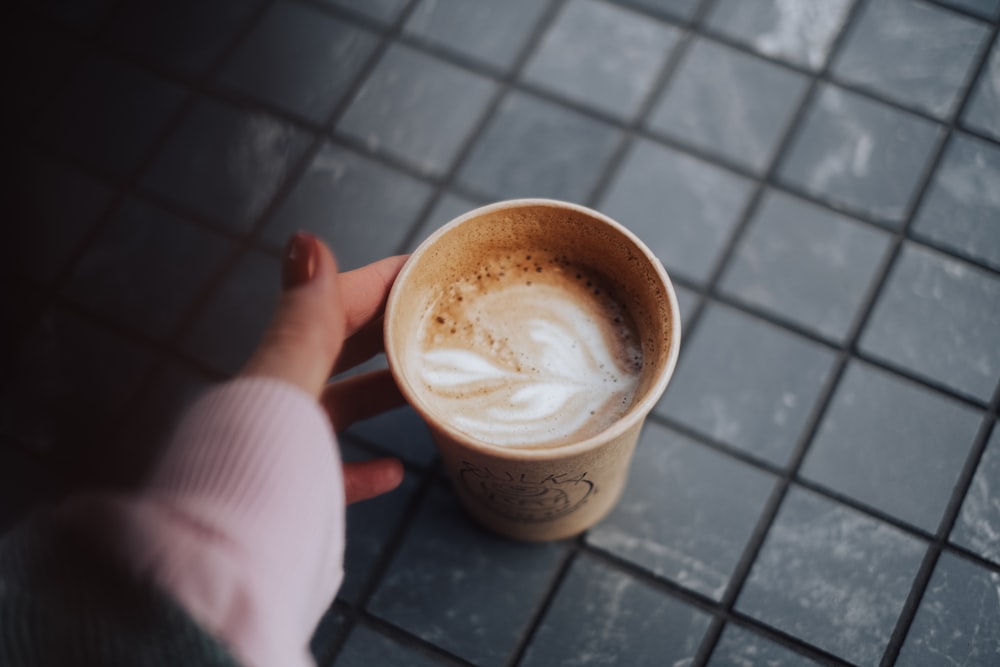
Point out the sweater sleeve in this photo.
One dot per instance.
(242, 522)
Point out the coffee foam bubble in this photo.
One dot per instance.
(530, 351)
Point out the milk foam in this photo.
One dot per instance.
(528, 354)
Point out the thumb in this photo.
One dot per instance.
(307, 332)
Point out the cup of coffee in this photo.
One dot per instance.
(534, 337)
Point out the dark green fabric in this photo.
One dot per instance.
(66, 603)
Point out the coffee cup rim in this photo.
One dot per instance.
(638, 411)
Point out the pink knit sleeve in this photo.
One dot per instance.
(243, 520)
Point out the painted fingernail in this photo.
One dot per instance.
(299, 266)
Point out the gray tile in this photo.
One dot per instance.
(911, 52)
(677, 10)
(978, 524)
(985, 8)
(832, 577)
(447, 208)
(982, 112)
(805, 264)
(533, 148)
(687, 300)
(230, 325)
(55, 207)
(362, 208)
(380, 11)
(299, 59)
(883, 436)
(739, 647)
(188, 35)
(747, 383)
(958, 622)
(370, 525)
(417, 108)
(446, 584)
(147, 268)
(687, 512)
(683, 208)
(489, 33)
(961, 210)
(399, 432)
(325, 636)
(602, 616)
(799, 32)
(860, 154)
(729, 104)
(938, 317)
(366, 647)
(602, 56)
(108, 116)
(225, 163)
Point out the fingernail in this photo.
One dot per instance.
(299, 265)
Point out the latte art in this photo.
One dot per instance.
(529, 353)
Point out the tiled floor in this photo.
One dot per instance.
(821, 482)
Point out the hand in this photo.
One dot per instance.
(326, 323)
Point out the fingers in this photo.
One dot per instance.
(365, 290)
(361, 347)
(360, 397)
(371, 478)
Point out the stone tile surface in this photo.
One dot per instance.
(729, 104)
(687, 512)
(739, 647)
(674, 10)
(602, 56)
(681, 207)
(366, 647)
(602, 616)
(982, 113)
(400, 432)
(746, 383)
(984, 8)
(380, 11)
(859, 154)
(805, 264)
(938, 317)
(832, 576)
(978, 525)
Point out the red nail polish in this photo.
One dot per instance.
(299, 264)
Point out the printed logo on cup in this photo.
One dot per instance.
(526, 498)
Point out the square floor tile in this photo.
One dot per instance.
(366, 648)
(747, 383)
(958, 621)
(978, 524)
(417, 108)
(984, 8)
(447, 208)
(489, 33)
(911, 52)
(982, 113)
(729, 104)
(55, 207)
(67, 384)
(188, 35)
(326, 635)
(687, 512)
(225, 163)
(108, 116)
(400, 432)
(883, 436)
(860, 154)
(799, 32)
(380, 11)
(687, 300)
(447, 585)
(832, 577)
(676, 10)
(938, 317)
(147, 268)
(961, 210)
(805, 264)
(602, 616)
(370, 525)
(362, 208)
(533, 148)
(738, 647)
(602, 56)
(299, 59)
(230, 325)
(683, 208)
